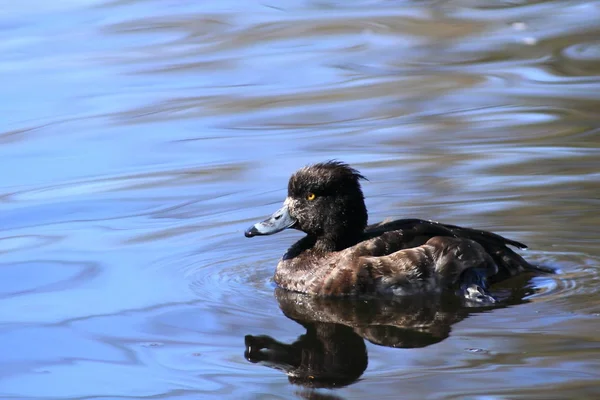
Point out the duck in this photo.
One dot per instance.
(341, 255)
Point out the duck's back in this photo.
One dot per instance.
(509, 263)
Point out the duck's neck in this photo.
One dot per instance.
(341, 241)
(320, 244)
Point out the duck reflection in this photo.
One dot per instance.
(332, 352)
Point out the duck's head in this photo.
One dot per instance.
(326, 202)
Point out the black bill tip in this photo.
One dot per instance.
(252, 231)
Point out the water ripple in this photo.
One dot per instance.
(39, 276)
(141, 137)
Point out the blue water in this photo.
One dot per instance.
(140, 138)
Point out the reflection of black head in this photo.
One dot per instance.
(327, 355)
(310, 394)
(332, 352)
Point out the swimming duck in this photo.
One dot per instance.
(341, 255)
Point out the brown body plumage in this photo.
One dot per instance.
(342, 256)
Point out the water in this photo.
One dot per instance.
(140, 138)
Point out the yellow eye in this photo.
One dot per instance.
(310, 197)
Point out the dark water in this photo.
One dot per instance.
(140, 138)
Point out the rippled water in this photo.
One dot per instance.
(140, 138)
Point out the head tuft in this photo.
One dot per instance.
(327, 177)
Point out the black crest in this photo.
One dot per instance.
(325, 178)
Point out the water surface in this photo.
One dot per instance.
(140, 138)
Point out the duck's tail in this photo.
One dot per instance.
(510, 263)
(543, 269)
